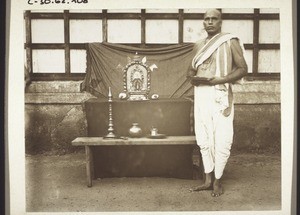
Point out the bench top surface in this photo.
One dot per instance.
(100, 141)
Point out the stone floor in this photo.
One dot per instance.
(252, 182)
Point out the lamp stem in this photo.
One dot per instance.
(110, 118)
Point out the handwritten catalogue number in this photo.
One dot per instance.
(43, 2)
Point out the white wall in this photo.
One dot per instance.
(157, 31)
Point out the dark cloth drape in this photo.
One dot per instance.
(168, 80)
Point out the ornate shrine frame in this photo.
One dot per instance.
(136, 79)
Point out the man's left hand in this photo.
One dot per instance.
(217, 80)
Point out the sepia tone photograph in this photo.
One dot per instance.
(153, 109)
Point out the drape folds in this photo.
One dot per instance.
(105, 63)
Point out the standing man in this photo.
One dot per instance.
(218, 62)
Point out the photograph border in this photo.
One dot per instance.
(15, 105)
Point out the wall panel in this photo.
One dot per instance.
(78, 61)
(80, 31)
(47, 31)
(48, 61)
(161, 31)
(124, 31)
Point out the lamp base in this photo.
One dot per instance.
(110, 136)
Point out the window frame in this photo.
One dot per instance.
(66, 15)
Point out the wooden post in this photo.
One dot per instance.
(104, 25)
(180, 26)
(143, 27)
(255, 41)
(28, 45)
(67, 42)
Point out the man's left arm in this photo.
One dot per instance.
(240, 63)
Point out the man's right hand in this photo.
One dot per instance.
(196, 81)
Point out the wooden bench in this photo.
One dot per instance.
(89, 142)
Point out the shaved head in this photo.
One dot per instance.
(212, 22)
(214, 11)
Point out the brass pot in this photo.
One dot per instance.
(135, 130)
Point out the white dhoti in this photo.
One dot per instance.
(214, 131)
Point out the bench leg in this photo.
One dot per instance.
(89, 165)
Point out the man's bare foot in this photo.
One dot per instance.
(207, 185)
(217, 188)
